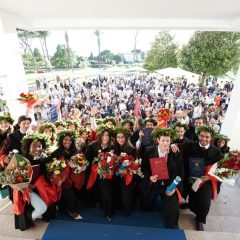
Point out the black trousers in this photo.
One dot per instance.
(127, 196)
(200, 201)
(170, 204)
(106, 190)
(69, 199)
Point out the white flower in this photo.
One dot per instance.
(123, 154)
(126, 162)
(15, 151)
(109, 159)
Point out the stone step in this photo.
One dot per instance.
(197, 235)
(214, 223)
(8, 229)
(14, 238)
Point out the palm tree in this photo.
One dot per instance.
(68, 50)
(98, 33)
(135, 33)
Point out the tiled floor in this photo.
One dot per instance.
(223, 222)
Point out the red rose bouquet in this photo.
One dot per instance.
(107, 165)
(29, 98)
(226, 168)
(78, 164)
(129, 166)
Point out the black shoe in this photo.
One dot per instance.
(184, 206)
(199, 225)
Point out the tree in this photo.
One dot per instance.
(136, 54)
(91, 56)
(42, 35)
(61, 59)
(135, 33)
(68, 51)
(25, 39)
(211, 53)
(163, 52)
(98, 34)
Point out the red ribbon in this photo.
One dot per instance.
(128, 179)
(20, 199)
(93, 176)
(48, 192)
(213, 180)
(78, 179)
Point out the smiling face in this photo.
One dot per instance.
(205, 138)
(105, 137)
(48, 132)
(4, 125)
(164, 143)
(67, 142)
(120, 138)
(84, 136)
(36, 149)
(24, 125)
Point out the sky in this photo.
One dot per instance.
(117, 41)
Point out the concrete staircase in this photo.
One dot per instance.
(223, 222)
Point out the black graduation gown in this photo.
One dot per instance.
(199, 201)
(14, 141)
(121, 191)
(191, 133)
(102, 186)
(150, 190)
(69, 197)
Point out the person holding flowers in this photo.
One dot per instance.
(33, 147)
(154, 184)
(96, 184)
(206, 154)
(126, 152)
(65, 151)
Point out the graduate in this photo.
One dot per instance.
(200, 201)
(66, 149)
(122, 145)
(103, 186)
(5, 127)
(151, 187)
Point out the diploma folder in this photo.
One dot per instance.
(159, 167)
(196, 167)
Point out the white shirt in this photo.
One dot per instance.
(207, 146)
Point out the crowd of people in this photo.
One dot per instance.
(120, 115)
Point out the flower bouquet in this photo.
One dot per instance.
(58, 170)
(129, 166)
(29, 98)
(164, 115)
(226, 168)
(18, 173)
(105, 165)
(78, 164)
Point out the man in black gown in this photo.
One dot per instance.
(200, 201)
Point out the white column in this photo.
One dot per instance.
(12, 75)
(231, 124)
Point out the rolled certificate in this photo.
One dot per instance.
(174, 183)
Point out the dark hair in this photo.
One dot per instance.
(73, 145)
(24, 118)
(26, 146)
